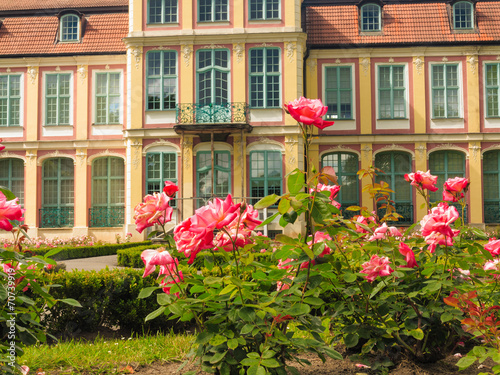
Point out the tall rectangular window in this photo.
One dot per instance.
(12, 176)
(445, 89)
(264, 9)
(492, 86)
(57, 99)
(265, 77)
(391, 92)
(160, 167)
(370, 17)
(108, 192)
(216, 181)
(10, 100)
(213, 10)
(338, 92)
(107, 98)
(162, 11)
(161, 80)
(265, 174)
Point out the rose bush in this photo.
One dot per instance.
(379, 289)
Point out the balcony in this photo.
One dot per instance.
(105, 217)
(404, 209)
(57, 217)
(217, 119)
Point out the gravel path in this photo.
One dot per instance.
(91, 264)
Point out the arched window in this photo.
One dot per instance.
(160, 167)
(108, 192)
(463, 15)
(12, 176)
(58, 193)
(395, 165)
(491, 183)
(370, 17)
(346, 167)
(212, 182)
(266, 174)
(70, 28)
(446, 164)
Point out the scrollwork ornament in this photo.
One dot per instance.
(82, 72)
(32, 73)
(186, 53)
(421, 152)
(81, 155)
(187, 146)
(419, 63)
(290, 48)
(475, 150)
(365, 63)
(472, 61)
(238, 50)
(31, 156)
(312, 64)
(136, 51)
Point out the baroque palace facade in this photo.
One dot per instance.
(101, 101)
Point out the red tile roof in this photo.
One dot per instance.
(59, 4)
(414, 24)
(37, 35)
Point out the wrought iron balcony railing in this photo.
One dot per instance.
(57, 217)
(105, 217)
(492, 212)
(223, 113)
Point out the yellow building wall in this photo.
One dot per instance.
(81, 199)
(32, 97)
(476, 183)
(82, 103)
(30, 195)
(135, 13)
(187, 184)
(136, 93)
(365, 96)
(419, 94)
(366, 162)
(420, 165)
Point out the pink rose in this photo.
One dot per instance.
(492, 265)
(321, 237)
(156, 257)
(308, 112)
(383, 231)
(217, 214)
(170, 189)
(332, 189)
(1, 146)
(422, 180)
(9, 210)
(190, 240)
(376, 266)
(365, 221)
(454, 189)
(409, 255)
(493, 246)
(154, 208)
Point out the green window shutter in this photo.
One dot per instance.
(445, 89)
(108, 192)
(220, 179)
(338, 92)
(57, 99)
(160, 167)
(10, 100)
(491, 185)
(391, 90)
(161, 80)
(346, 167)
(445, 164)
(395, 165)
(57, 193)
(12, 177)
(264, 10)
(492, 85)
(108, 98)
(266, 174)
(265, 77)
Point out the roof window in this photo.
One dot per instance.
(70, 26)
(371, 17)
(463, 15)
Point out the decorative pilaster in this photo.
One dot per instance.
(475, 195)
(366, 162)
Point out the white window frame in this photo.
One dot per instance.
(61, 29)
(94, 101)
(21, 103)
(471, 7)
(361, 18)
(71, 101)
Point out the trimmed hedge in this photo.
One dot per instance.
(89, 251)
(132, 257)
(108, 298)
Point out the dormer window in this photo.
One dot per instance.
(370, 17)
(70, 28)
(463, 12)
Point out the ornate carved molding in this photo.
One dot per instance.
(421, 152)
(104, 153)
(490, 148)
(160, 142)
(162, 48)
(8, 70)
(290, 48)
(239, 50)
(81, 155)
(312, 64)
(419, 64)
(31, 156)
(290, 143)
(55, 154)
(136, 52)
(394, 147)
(187, 148)
(448, 146)
(136, 145)
(444, 59)
(340, 148)
(472, 61)
(475, 150)
(212, 46)
(391, 60)
(365, 63)
(82, 73)
(186, 53)
(7, 154)
(267, 44)
(32, 73)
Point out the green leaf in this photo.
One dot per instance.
(284, 206)
(247, 314)
(247, 328)
(465, 362)
(217, 340)
(203, 338)
(299, 309)
(333, 354)
(349, 277)
(320, 211)
(8, 194)
(270, 362)
(163, 299)
(227, 289)
(197, 289)
(315, 301)
(53, 252)
(296, 182)
(417, 333)
(211, 280)
(218, 357)
(155, 313)
(266, 201)
(256, 370)
(232, 344)
(351, 340)
(70, 301)
(146, 292)
(268, 220)
(446, 317)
